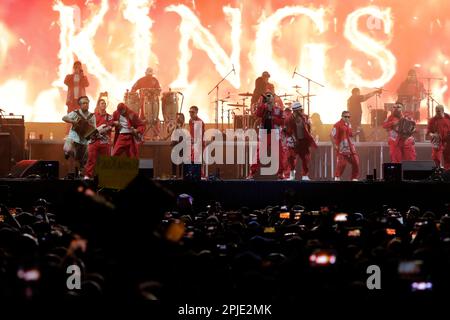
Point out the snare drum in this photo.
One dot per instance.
(132, 101)
(169, 105)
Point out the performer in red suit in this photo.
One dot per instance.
(439, 130)
(76, 86)
(341, 137)
(100, 143)
(299, 140)
(270, 115)
(129, 132)
(149, 109)
(286, 141)
(401, 144)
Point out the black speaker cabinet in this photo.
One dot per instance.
(42, 168)
(5, 153)
(418, 169)
(392, 172)
(15, 126)
(146, 168)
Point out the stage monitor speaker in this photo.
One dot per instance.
(5, 153)
(36, 168)
(146, 168)
(15, 126)
(392, 172)
(418, 169)
(192, 172)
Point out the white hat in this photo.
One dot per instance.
(296, 105)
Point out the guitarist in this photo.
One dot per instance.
(76, 145)
(100, 143)
(129, 132)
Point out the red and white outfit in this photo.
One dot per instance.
(400, 148)
(76, 87)
(100, 144)
(441, 145)
(197, 143)
(345, 149)
(299, 142)
(276, 122)
(125, 141)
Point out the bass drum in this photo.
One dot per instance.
(251, 122)
(132, 101)
(169, 106)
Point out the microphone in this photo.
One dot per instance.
(293, 74)
(234, 71)
(180, 93)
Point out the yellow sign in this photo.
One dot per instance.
(116, 172)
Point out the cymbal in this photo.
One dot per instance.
(285, 95)
(246, 94)
(296, 87)
(236, 105)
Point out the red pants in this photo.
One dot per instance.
(125, 144)
(442, 153)
(402, 149)
(342, 161)
(292, 159)
(255, 167)
(95, 150)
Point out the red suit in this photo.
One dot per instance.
(345, 149)
(100, 144)
(124, 140)
(274, 121)
(441, 144)
(400, 148)
(196, 140)
(299, 143)
(76, 87)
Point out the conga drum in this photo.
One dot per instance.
(132, 101)
(169, 106)
(150, 101)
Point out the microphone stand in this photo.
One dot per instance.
(309, 85)
(430, 108)
(216, 87)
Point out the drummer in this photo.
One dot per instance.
(151, 111)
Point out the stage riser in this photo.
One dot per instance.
(323, 161)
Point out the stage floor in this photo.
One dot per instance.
(234, 194)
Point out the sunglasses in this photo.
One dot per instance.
(347, 117)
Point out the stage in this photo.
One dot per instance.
(234, 194)
(323, 163)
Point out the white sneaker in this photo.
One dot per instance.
(354, 179)
(292, 175)
(337, 179)
(306, 178)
